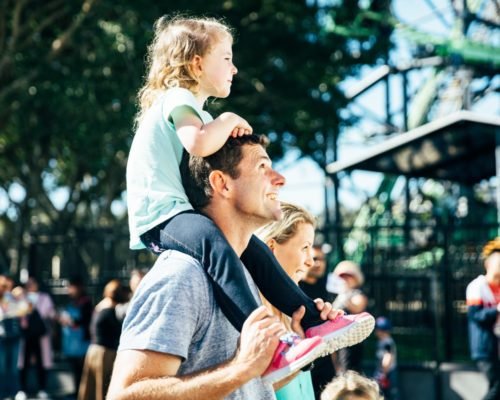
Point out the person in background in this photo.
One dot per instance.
(105, 331)
(483, 315)
(36, 345)
(386, 371)
(314, 285)
(346, 280)
(11, 312)
(351, 386)
(291, 240)
(75, 322)
(136, 276)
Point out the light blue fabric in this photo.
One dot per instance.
(74, 343)
(174, 311)
(154, 185)
(300, 388)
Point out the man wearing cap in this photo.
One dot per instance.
(346, 280)
(483, 308)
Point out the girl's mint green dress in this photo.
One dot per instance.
(300, 388)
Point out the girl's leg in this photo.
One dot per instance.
(275, 284)
(196, 235)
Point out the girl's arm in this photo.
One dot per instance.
(205, 139)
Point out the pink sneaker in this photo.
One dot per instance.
(292, 354)
(343, 331)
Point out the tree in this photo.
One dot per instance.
(69, 73)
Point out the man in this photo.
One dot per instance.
(176, 343)
(483, 308)
(314, 283)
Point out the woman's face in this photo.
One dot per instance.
(296, 254)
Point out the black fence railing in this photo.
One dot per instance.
(415, 276)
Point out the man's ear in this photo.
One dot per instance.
(218, 182)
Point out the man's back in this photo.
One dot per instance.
(173, 311)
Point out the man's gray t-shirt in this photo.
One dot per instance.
(174, 311)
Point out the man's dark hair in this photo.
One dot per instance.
(196, 170)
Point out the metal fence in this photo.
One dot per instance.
(416, 277)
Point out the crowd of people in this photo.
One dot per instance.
(87, 336)
(238, 304)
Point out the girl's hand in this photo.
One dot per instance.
(242, 127)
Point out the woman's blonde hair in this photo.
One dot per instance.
(351, 386)
(176, 42)
(281, 231)
(286, 228)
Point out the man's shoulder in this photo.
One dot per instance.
(173, 261)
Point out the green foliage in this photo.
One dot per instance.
(70, 71)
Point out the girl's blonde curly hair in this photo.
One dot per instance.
(176, 42)
(351, 386)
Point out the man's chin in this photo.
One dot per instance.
(278, 215)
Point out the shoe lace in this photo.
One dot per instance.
(290, 338)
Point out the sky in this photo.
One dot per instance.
(305, 180)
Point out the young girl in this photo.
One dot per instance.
(351, 386)
(190, 60)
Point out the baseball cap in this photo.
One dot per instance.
(492, 246)
(349, 268)
(383, 323)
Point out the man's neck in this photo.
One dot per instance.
(236, 231)
(310, 280)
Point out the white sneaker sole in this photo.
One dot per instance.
(349, 335)
(295, 366)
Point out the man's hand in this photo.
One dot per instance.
(258, 341)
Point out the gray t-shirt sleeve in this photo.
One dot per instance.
(168, 309)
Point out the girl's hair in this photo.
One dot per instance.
(286, 228)
(175, 43)
(351, 386)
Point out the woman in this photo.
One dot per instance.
(291, 240)
(105, 331)
(37, 337)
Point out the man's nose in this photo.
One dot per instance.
(278, 179)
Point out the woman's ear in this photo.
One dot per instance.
(271, 243)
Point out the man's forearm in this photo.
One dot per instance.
(215, 383)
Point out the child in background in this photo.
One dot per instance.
(386, 371)
(190, 60)
(351, 386)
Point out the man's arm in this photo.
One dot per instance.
(141, 374)
(151, 375)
